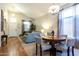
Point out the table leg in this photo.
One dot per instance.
(36, 49)
(53, 50)
(68, 51)
(72, 50)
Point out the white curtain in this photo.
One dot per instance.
(77, 22)
(66, 22)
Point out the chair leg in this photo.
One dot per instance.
(68, 51)
(50, 52)
(36, 49)
(72, 50)
(40, 50)
(6, 39)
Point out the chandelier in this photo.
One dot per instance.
(54, 9)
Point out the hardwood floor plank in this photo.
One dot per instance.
(13, 48)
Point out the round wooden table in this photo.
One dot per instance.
(53, 40)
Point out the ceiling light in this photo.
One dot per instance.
(54, 9)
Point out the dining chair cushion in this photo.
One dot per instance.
(46, 47)
(61, 47)
(70, 42)
(31, 37)
(76, 44)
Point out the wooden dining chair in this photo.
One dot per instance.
(4, 40)
(70, 45)
(42, 46)
(76, 46)
(66, 45)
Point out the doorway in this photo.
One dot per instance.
(13, 27)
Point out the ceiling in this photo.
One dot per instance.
(33, 10)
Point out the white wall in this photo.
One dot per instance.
(19, 18)
(1, 7)
(48, 19)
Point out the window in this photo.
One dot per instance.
(68, 12)
(68, 27)
(27, 26)
(66, 22)
(69, 22)
(77, 21)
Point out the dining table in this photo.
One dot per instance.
(54, 40)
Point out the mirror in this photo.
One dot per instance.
(26, 26)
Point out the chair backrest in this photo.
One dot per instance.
(76, 44)
(31, 37)
(70, 42)
(64, 37)
(39, 40)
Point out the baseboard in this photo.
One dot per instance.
(13, 36)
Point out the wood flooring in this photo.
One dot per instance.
(13, 48)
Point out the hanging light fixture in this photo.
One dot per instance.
(54, 9)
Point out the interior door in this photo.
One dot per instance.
(12, 26)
